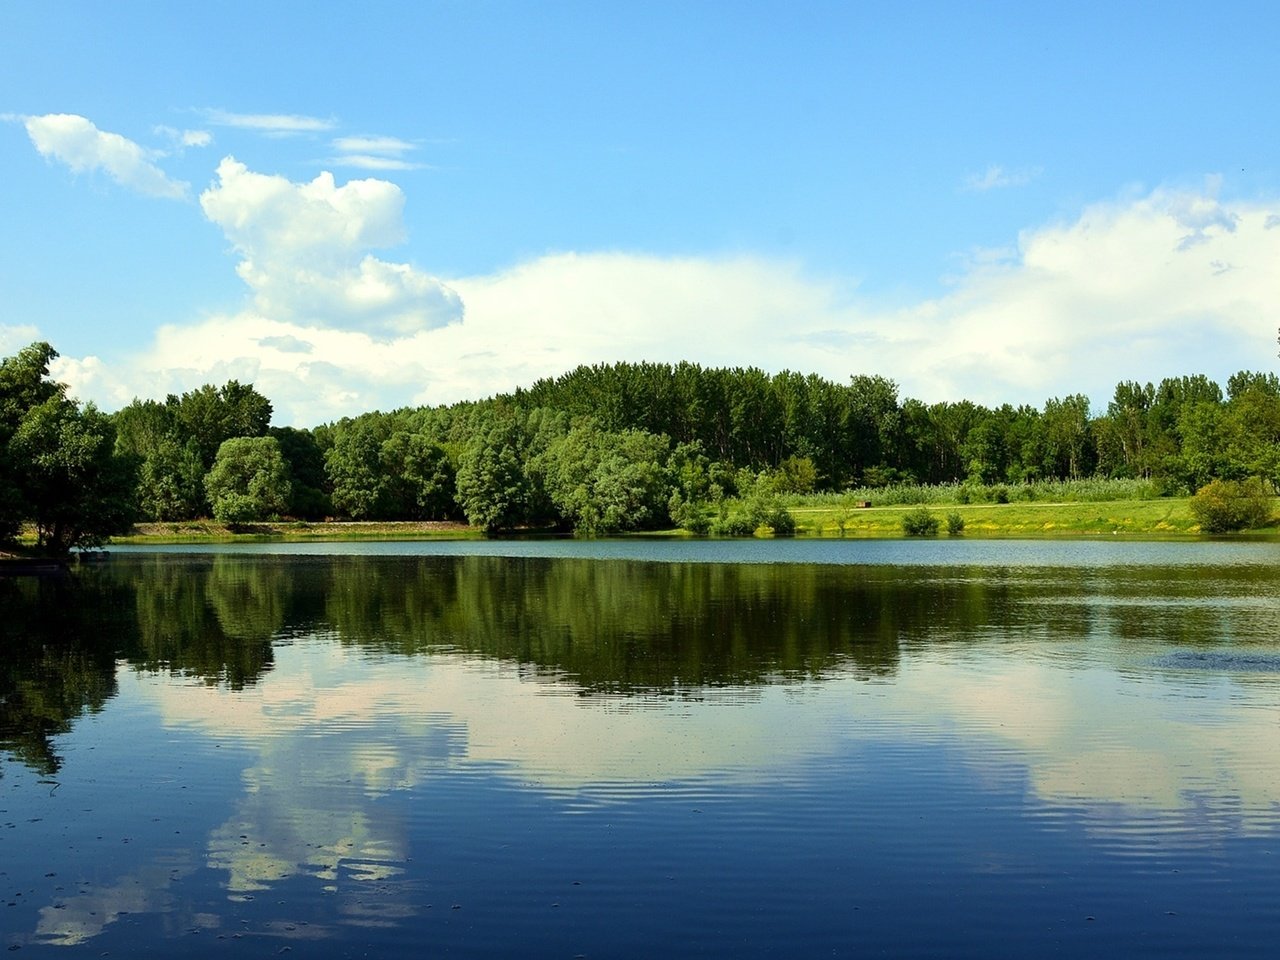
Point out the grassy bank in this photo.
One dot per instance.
(1165, 518)
(1162, 518)
(210, 531)
(1134, 517)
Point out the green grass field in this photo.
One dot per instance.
(1143, 518)
(1163, 518)
(210, 531)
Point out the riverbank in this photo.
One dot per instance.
(211, 531)
(1165, 518)
(1162, 518)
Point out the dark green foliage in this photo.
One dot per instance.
(581, 451)
(920, 523)
(420, 479)
(1067, 450)
(606, 482)
(493, 490)
(955, 525)
(171, 482)
(759, 507)
(24, 384)
(58, 465)
(73, 487)
(210, 415)
(304, 455)
(249, 480)
(796, 475)
(1225, 505)
(354, 468)
(174, 443)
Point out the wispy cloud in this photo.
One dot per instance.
(373, 144)
(366, 162)
(372, 152)
(78, 144)
(272, 124)
(182, 139)
(996, 177)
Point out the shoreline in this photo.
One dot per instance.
(1161, 519)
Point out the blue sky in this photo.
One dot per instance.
(984, 200)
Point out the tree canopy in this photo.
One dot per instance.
(58, 465)
(614, 447)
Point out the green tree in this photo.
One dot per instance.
(1066, 423)
(355, 470)
(304, 454)
(171, 481)
(249, 480)
(419, 478)
(71, 483)
(1129, 414)
(493, 489)
(210, 415)
(24, 384)
(1250, 427)
(603, 482)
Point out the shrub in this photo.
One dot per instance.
(955, 524)
(920, 523)
(1224, 505)
(689, 515)
(744, 517)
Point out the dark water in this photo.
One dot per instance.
(638, 750)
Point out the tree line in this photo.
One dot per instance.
(599, 449)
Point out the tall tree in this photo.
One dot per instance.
(75, 489)
(249, 480)
(58, 465)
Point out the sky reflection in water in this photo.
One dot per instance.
(611, 757)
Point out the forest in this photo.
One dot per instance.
(597, 450)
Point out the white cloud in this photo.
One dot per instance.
(182, 139)
(996, 176)
(304, 251)
(14, 338)
(373, 144)
(1199, 215)
(370, 152)
(81, 146)
(1113, 295)
(369, 162)
(273, 124)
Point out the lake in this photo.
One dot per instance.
(645, 748)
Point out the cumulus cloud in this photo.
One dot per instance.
(14, 338)
(304, 251)
(76, 142)
(1077, 306)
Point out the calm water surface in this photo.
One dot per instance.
(986, 749)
